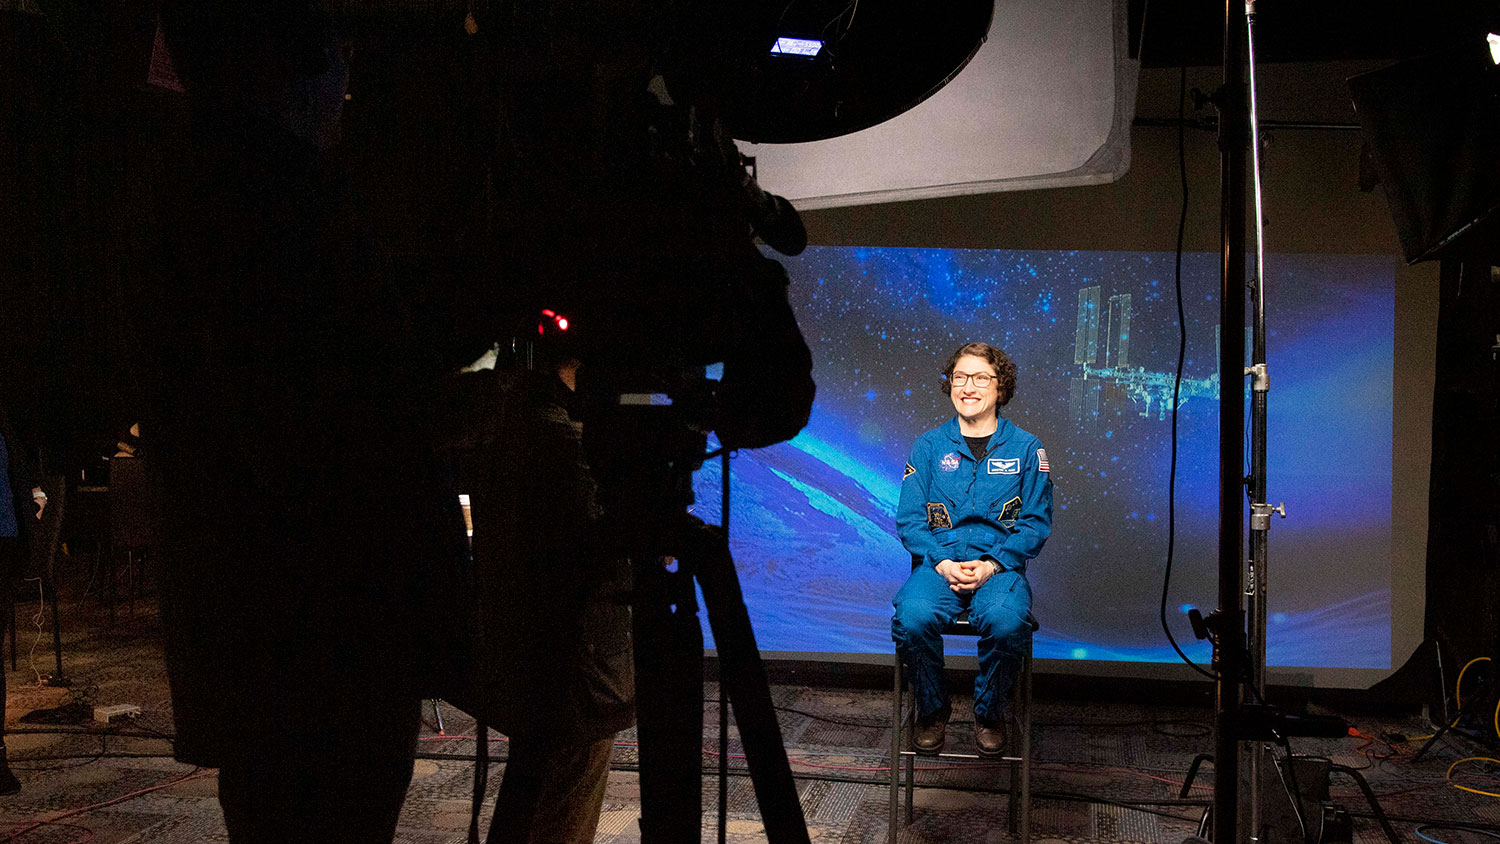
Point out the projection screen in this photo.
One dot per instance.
(1048, 102)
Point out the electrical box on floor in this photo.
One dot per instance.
(108, 714)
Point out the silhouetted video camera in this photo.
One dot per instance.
(644, 245)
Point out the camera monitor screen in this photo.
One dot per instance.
(1094, 336)
(805, 48)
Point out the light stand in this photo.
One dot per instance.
(1260, 517)
(1229, 649)
(1240, 656)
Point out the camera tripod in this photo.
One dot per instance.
(643, 448)
(669, 688)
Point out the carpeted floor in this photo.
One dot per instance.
(1103, 771)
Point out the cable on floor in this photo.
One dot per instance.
(197, 773)
(1448, 775)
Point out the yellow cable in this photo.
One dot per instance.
(1459, 683)
(1497, 718)
(1449, 775)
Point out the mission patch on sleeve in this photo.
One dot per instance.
(1011, 510)
(937, 516)
(908, 473)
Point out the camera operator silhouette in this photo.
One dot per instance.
(308, 535)
(311, 543)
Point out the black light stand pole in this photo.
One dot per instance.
(1229, 645)
(1260, 521)
(1258, 583)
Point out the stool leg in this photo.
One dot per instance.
(1013, 800)
(1026, 748)
(895, 750)
(911, 779)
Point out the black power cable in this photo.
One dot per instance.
(1166, 581)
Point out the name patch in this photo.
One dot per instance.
(950, 462)
(1004, 466)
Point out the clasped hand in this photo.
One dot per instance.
(966, 575)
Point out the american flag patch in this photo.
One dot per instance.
(1041, 460)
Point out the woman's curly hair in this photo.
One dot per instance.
(1005, 369)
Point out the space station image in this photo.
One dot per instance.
(1106, 374)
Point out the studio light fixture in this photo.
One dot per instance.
(809, 70)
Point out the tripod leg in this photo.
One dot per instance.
(1192, 773)
(481, 777)
(1431, 741)
(669, 704)
(743, 676)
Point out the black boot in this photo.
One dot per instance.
(8, 782)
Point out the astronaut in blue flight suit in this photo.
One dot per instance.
(976, 505)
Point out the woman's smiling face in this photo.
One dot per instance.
(974, 403)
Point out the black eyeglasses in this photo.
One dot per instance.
(981, 379)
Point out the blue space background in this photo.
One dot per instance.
(812, 521)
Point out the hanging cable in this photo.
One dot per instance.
(1166, 581)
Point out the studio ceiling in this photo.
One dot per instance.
(1191, 31)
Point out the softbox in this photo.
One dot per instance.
(1432, 126)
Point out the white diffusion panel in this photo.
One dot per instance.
(1046, 102)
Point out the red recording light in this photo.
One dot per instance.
(557, 319)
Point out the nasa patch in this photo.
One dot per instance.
(937, 516)
(1004, 466)
(950, 462)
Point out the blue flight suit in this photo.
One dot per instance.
(954, 507)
